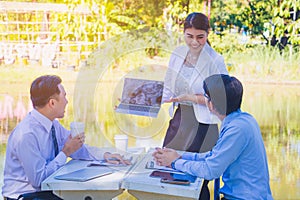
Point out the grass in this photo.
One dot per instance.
(257, 61)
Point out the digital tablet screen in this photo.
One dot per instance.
(85, 174)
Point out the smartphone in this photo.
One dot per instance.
(175, 178)
(175, 181)
(160, 174)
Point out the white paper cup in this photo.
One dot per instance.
(121, 143)
(76, 128)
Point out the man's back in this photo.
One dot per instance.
(247, 176)
(17, 171)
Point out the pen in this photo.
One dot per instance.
(114, 159)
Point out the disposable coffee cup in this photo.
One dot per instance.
(76, 128)
(121, 143)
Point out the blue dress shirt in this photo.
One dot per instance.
(30, 155)
(239, 157)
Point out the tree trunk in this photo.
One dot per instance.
(208, 8)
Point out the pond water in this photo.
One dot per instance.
(276, 108)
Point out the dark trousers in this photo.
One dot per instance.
(204, 195)
(43, 195)
(197, 142)
(202, 131)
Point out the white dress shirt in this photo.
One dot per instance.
(30, 154)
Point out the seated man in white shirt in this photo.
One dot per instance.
(40, 145)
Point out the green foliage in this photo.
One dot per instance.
(285, 20)
(110, 18)
(227, 44)
(264, 18)
(253, 58)
(147, 42)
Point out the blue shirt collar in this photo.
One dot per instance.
(229, 117)
(42, 119)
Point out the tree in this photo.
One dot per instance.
(286, 19)
(280, 18)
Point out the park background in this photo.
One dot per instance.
(92, 45)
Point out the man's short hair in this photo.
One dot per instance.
(43, 88)
(225, 92)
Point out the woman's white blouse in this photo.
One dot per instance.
(209, 63)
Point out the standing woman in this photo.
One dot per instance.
(193, 128)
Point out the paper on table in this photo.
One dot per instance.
(105, 163)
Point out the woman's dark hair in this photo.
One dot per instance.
(225, 92)
(196, 20)
(43, 88)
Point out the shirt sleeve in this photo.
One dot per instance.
(33, 161)
(194, 156)
(83, 153)
(211, 165)
(218, 65)
(221, 65)
(87, 152)
(169, 80)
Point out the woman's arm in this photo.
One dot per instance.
(194, 98)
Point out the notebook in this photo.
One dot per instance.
(141, 97)
(85, 174)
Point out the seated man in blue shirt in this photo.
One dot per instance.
(40, 145)
(239, 155)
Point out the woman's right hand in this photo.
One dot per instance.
(116, 106)
(184, 97)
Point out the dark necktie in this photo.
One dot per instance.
(54, 141)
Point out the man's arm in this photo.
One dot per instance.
(212, 166)
(167, 156)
